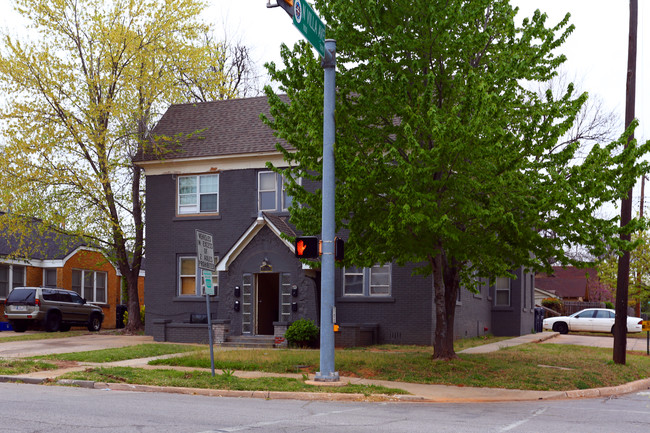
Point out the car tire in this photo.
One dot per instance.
(19, 325)
(561, 327)
(95, 323)
(52, 321)
(64, 327)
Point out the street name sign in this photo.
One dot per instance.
(309, 24)
(205, 250)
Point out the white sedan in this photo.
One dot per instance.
(590, 320)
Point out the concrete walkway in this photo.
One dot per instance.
(418, 392)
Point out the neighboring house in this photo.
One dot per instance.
(217, 181)
(54, 260)
(541, 294)
(568, 283)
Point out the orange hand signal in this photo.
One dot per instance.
(301, 247)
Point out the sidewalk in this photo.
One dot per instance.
(418, 392)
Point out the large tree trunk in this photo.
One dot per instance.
(445, 285)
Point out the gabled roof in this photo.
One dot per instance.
(217, 128)
(278, 225)
(38, 243)
(569, 282)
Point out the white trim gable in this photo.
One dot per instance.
(247, 237)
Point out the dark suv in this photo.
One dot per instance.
(54, 309)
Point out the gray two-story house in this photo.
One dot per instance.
(212, 176)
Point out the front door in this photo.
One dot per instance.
(268, 303)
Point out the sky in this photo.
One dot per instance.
(596, 51)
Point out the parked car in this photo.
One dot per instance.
(590, 320)
(52, 309)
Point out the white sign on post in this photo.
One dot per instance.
(204, 250)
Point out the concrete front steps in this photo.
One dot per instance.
(250, 341)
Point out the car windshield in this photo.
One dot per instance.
(22, 296)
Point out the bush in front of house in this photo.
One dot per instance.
(126, 316)
(554, 304)
(302, 333)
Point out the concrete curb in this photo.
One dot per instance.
(267, 395)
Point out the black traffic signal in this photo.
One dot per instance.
(339, 247)
(287, 5)
(307, 247)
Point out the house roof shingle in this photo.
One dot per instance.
(569, 282)
(38, 243)
(215, 128)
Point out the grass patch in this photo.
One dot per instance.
(43, 336)
(19, 366)
(516, 367)
(204, 379)
(122, 353)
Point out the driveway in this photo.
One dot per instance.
(635, 344)
(82, 343)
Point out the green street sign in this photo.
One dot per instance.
(207, 281)
(309, 24)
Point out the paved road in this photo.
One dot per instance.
(18, 349)
(32, 408)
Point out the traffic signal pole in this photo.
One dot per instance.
(327, 309)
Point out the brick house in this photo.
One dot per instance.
(216, 180)
(51, 260)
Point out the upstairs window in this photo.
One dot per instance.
(271, 192)
(198, 194)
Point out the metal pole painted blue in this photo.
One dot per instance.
(327, 373)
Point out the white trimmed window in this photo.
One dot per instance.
(90, 285)
(374, 281)
(11, 276)
(187, 270)
(271, 192)
(187, 282)
(502, 292)
(198, 194)
(49, 277)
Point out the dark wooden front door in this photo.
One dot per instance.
(268, 303)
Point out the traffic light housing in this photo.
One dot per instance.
(339, 247)
(287, 5)
(307, 247)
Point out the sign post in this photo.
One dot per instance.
(205, 260)
(311, 26)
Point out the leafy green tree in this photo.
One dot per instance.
(444, 157)
(82, 94)
(639, 278)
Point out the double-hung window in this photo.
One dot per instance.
(11, 276)
(49, 277)
(198, 194)
(187, 283)
(272, 192)
(374, 281)
(502, 292)
(90, 285)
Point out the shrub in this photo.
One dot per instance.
(553, 304)
(126, 316)
(302, 332)
(609, 305)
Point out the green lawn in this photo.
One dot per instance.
(121, 353)
(204, 379)
(530, 366)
